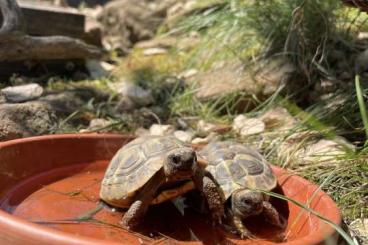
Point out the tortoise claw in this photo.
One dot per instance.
(217, 217)
(247, 235)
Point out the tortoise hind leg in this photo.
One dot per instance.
(144, 198)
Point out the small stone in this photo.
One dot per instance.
(362, 35)
(160, 129)
(107, 66)
(125, 105)
(248, 126)
(279, 118)
(205, 128)
(98, 124)
(200, 141)
(188, 73)
(154, 51)
(95, 69)
(252, 126)
(182, 123)
(203, 141)
(185, 136)
(22, 93)
(137, 94)
(141, 132)
(238, 123)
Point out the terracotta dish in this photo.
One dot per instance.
(49, 195)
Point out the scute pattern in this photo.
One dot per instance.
(158, 146)
(235, 166)
(133, 165)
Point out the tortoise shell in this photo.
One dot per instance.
(135, 164)
(236, 166)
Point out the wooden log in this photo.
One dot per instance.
(25, 47)
(15, 45)
(42, 20)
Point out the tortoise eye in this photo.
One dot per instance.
(175, 159)
(245, 201)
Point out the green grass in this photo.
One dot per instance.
(250, 30)
(362, 108)
(310, 210)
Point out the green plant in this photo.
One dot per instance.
(362, 108)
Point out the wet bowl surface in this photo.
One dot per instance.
(49, 189)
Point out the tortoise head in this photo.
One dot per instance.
(180, 164)
(245, 203)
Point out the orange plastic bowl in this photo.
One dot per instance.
(48, 182)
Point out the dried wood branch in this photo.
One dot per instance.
(15, 45)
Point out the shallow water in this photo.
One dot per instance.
(66, 199)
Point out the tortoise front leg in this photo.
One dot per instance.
(212, 193)
(240, 227)
(272, 215)
(144, 198)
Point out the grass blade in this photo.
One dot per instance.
(361, 104)
(324, 219)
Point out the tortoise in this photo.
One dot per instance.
(154, 169)
(239, 170)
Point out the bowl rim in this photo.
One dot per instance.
(29, 229)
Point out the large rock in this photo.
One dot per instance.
(128, 21)
(22, 93)
(9, 130)
(233, 77)
(66, 102)
(26, 119)
(308, 147)
(327, 150)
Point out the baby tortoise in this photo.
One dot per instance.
(154, 169)
(238, 170)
